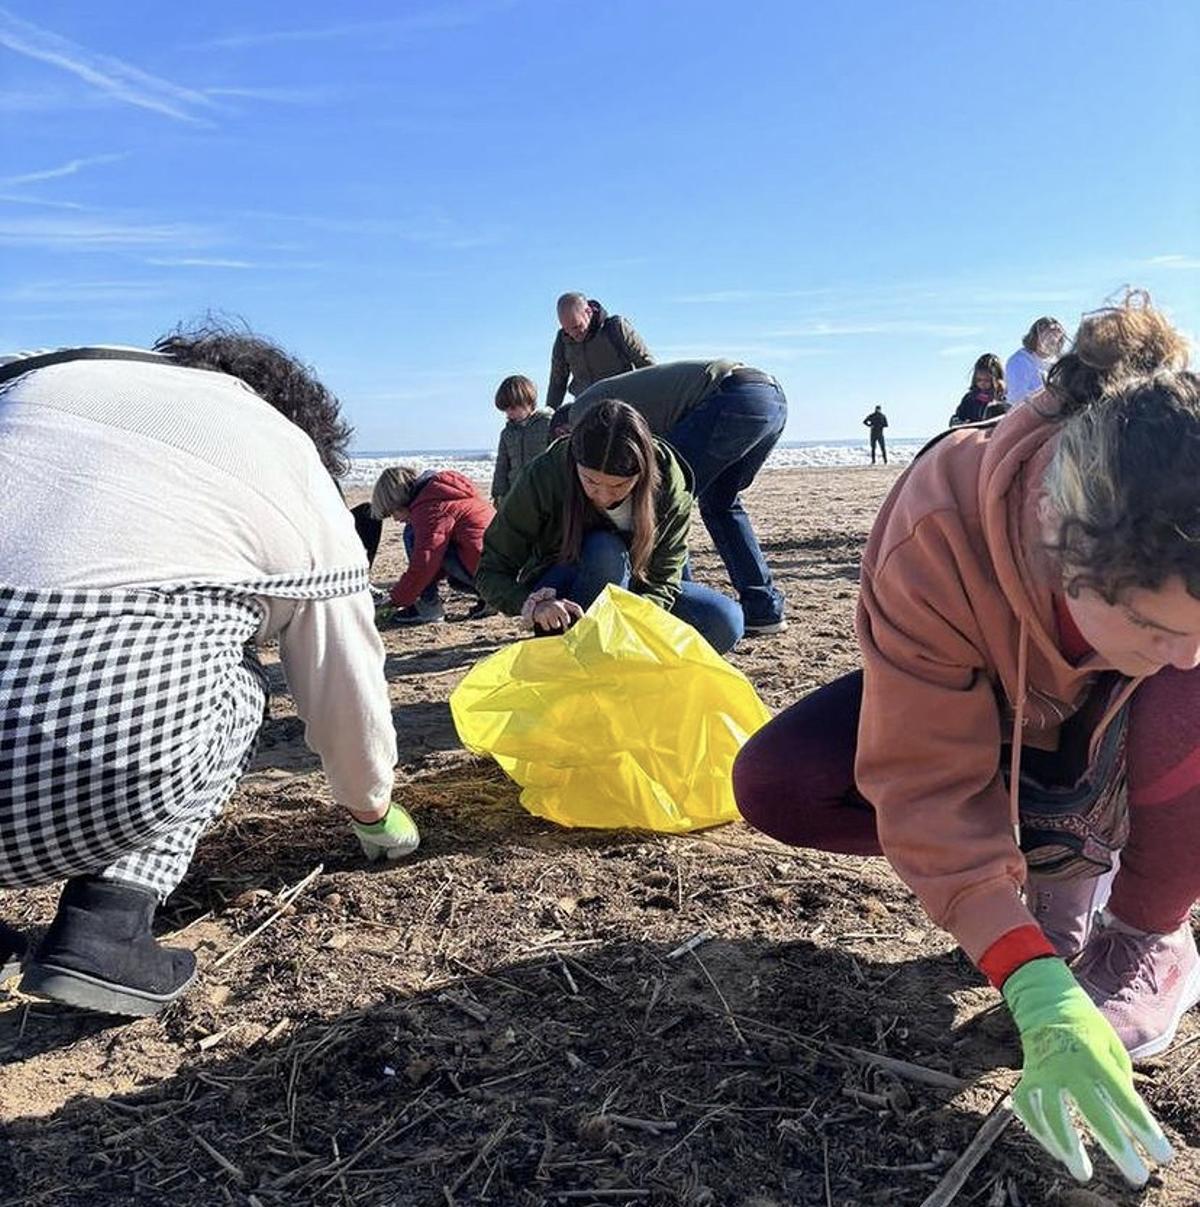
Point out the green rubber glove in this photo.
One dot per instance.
(394, 836)
(1072, 1054)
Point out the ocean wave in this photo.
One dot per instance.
(478, 466)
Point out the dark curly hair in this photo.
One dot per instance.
(1125, 478)
(292, 388)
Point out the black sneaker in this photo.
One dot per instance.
(419, 613)
(13, 949)
(481, 610)
(764, 628)
(99, 953)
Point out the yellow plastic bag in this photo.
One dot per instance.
(630, 719)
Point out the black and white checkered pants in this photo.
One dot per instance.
(126, 720)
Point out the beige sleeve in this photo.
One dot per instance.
(333, 659)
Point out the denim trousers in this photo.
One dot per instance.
(725, 441)
(604, 559)
(453, 570)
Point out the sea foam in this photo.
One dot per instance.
(478, 464)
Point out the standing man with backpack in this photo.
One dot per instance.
(591, 345)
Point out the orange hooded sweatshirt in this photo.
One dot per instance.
(956, 624)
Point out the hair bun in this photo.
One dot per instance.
(1132, 339)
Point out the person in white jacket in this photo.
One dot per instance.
(1025, 370)
(163, 511)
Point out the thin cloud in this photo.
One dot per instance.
(44, 101)
(434, 230)
(957, 351)
(94, 234)
(67, 169)
(445, 17)
(1175, 261)
(110, 75)
(278, 96)
(202, 262)
(721, 296)
(823, 330)
(220, 262)
(765, 353)
(42, 202)
(75, 293)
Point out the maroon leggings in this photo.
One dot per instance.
(794, 780)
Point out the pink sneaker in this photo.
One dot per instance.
(1142, 983)
(1066, 909)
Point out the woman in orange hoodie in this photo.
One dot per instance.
(1030, 626)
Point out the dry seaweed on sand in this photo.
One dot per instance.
(497, 1021)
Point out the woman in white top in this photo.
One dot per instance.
(1025, 372)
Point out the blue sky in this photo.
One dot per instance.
(859, 198)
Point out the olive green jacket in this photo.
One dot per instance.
(519, 444)
(523, 541)
(611, 346)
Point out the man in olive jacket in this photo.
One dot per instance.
(591, 345)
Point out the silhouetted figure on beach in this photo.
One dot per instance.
(877, 421)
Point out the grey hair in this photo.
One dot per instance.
(569, 301)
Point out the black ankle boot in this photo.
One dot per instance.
(12, 952)
(99, 953)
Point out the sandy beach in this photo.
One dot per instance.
(501, 1019)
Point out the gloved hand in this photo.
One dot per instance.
(1072, 1052)
(392, 837)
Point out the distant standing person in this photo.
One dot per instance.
(723, 418)
(591, 345)
(1026, 368)
(877, 421)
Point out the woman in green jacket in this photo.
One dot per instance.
(608, 505)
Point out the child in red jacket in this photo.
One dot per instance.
(444, 520)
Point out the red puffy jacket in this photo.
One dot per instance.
(447, 510)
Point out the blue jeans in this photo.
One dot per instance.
(725, 440)
(453, 570)
(604, 559)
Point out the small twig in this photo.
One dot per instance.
(389, 1131)
(903, 1068)
(479, 1013)
(228, 1166)
(825, 1158)
(591, 976)
(701, 936)
(491, 1143)
(600, 1194)
(574, 988)
(724, 1005)
(284, 901)
(210, 1041)
(654, 1126)
(188, 926)
(1000, 1116)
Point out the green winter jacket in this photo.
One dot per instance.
(523, 541)
(519, 444)
(611, 346)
